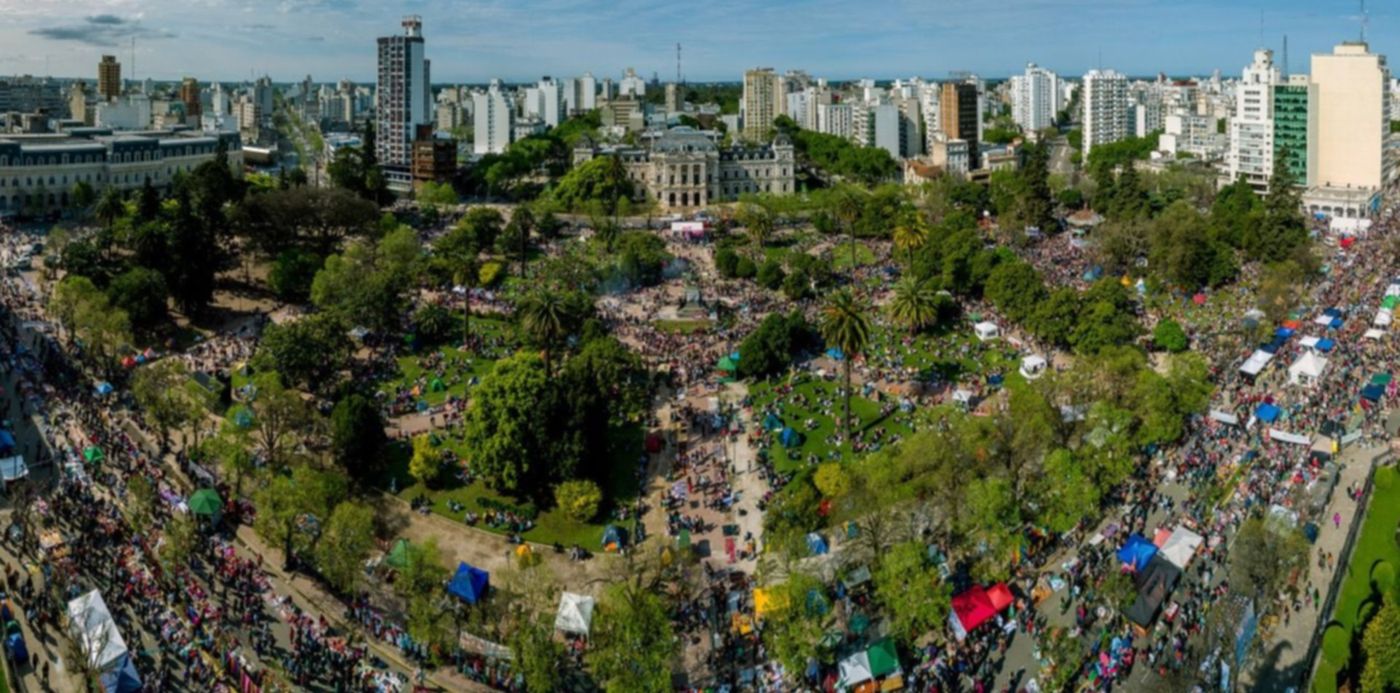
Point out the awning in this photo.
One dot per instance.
(575, 613)
(1136, 552)
(1181, 546)
(92, 625)
(13, 468)
(1286, 437)
(855, 669)
(1267, 413)
(976, 606)
(1224, 417)
(1256, 362)
(469, 583)
(882, 658)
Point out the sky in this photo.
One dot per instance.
(471, 41)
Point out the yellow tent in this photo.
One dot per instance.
(522, 550)
(766, 601)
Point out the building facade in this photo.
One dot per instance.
(37, 173)
(685, 169)
(1105, 101)
(1291, 127)
(1252, 124)
(403, 99)
(1349, 131)
(1035, 98)
(493, 120)
(109, 78)
(958, 106)
(760, 102)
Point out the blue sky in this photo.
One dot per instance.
(475, 40)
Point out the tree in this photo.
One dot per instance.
(357, 436)
(539, 656)
(547, 317)
(914, 596)
(83, 197)
(177, 543)
(1169, 336)
(832, 480)
(770, 275)
(522, 223)
(579, 499)
(770, 349)
(110, 207)
(1017, 289)
(758, 221)
(162, 391)
(345, 544)
(909, 237)
(507, 425)
(281, 418)
(103, 330)
(1262, 556)
(426, 465)
(141, 293)
(433, 324)
(148, 202)
(230, 449)
(846, 327)
(309, 352)
(291, 274)
(632, 643)
(287, 504)
(642, 257)
(914, 304)
(1381, 645)
(1283, 230)
(601, 181)
(1037, 207)
(795, 629)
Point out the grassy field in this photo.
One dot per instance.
(551, 526)
(1375, 547)
(841, 256)
(458, 367)
(817, 438)
(684, 326)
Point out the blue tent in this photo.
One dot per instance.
(122, 678)
(1093, 274)
(995, 379)
(771, 422)
(1267, 413)
(1137, 552)
(816, 545)
(469, 584)
(1373, 392)
(835, 353)
(1336, 324)
(790, 437)
(1325, 345)
(1333, 312)
(1271, 347)
(7, 442)
(612, 535)
(1283, 332)
(104, 388)
(14, 645)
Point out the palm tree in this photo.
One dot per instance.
(545, 317)
(846, 327)
(110, 207)
(914, 305)
(846, 208)
(465, 278)
(524, 221)
(910, 236)
(759, 223)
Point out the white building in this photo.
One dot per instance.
(586, 96)
(404, 99)
(1035, 98)
(493, 120)
(836, 119)
(632, 85)
(1351, 154)
(130, 112)
(1105, 108)
(545, 101)
(1252, 125)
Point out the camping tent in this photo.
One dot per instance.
(93, 454)
(469, 584)
(882, 658)
(575, 613)
(727, 364)
(1181, 546)
(816, 545)
(836, 354)
(1155, 583)
(1307, 369)
(1256, 362)
(1373, 392)
(1374, 333)
(790, 438)
(92, 625)
(13, 468)
(397, 557)
(1325, 345)
(1136, 552)
(986, 330)
(104, 388)
(855, 670)
(612, 536)
(1267, 413)
(1033, 366)
(976, 606)
(771, 422)
(206, 503)
(122, 678)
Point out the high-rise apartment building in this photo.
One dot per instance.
(403, 99)
(761, 102)
(632, 85)
(1350, 154)
(1252, 124)
(109, 78)
(1105, 102)
(493, 120)
(587, 96)
(189, 95)
(835, 119)
(1035, 98)
(1291, 126)
(545, 101)
(958, 116)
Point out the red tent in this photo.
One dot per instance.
(977, 605)
(1199, 299)
(1348, 241)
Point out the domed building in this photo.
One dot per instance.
(684, 169)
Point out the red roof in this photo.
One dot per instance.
(978, 605)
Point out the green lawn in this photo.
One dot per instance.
(551, 526)
(948, 354)
(1375, 546)
(840, 255)
(457, 367)
(683, 326)
(817, 439)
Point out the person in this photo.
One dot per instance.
(1337, 520)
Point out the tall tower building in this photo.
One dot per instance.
(1105, 103)
(189, 95)
(493, 120)
(957, 117)
(587, 98)
(1252, 124)
(1035, 98)
(403, 100)
(1291, 125)
(1352, 119)
(109, 78)
(759, 105)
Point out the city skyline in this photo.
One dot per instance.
(233, 40)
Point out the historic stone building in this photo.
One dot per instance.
(683, 168)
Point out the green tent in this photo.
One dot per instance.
(858, 623)
(683, 539)
(206, 501)
(436, 385)
(1390, 302)
(728, 365)
(398, 555)
(93, 454)
(1380, 379)
(883, 659)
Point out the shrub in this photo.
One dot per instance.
(770, 275)
(578, 499)
(726, 262)
(745, 269)
(1168, 336)
(491, 273)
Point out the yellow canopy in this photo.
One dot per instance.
(766, 601)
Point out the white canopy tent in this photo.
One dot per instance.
(1383, 318)
(1286, 437)
(963, 397)
(1033, 366)
(13, 468)
(1224, 417)
(855, 670)
(1181, 546)
(1392, 290)
(1323, 320)
(1256, 362)
(1307, 369)
(986, 330)
(1309, 341)
(1374, 333)
(92, 625)
(575, 613)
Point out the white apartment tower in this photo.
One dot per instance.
(1035, 98)
(1105, 108)
(1351, 154)
(403, 99)
(493, 120)
(587, 97)
(632, 85)
(1252, 125)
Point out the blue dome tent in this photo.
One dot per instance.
(469, 584)
(790, 438)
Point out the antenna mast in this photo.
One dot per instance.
(679, 78)
(1285, 56)
(1365, 21)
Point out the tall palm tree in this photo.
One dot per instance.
(545, 317)
(465, 278)
(910, 236)
(846, 208)
(110, 207)
(524, 220)
(846, 327)
(914, 304)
